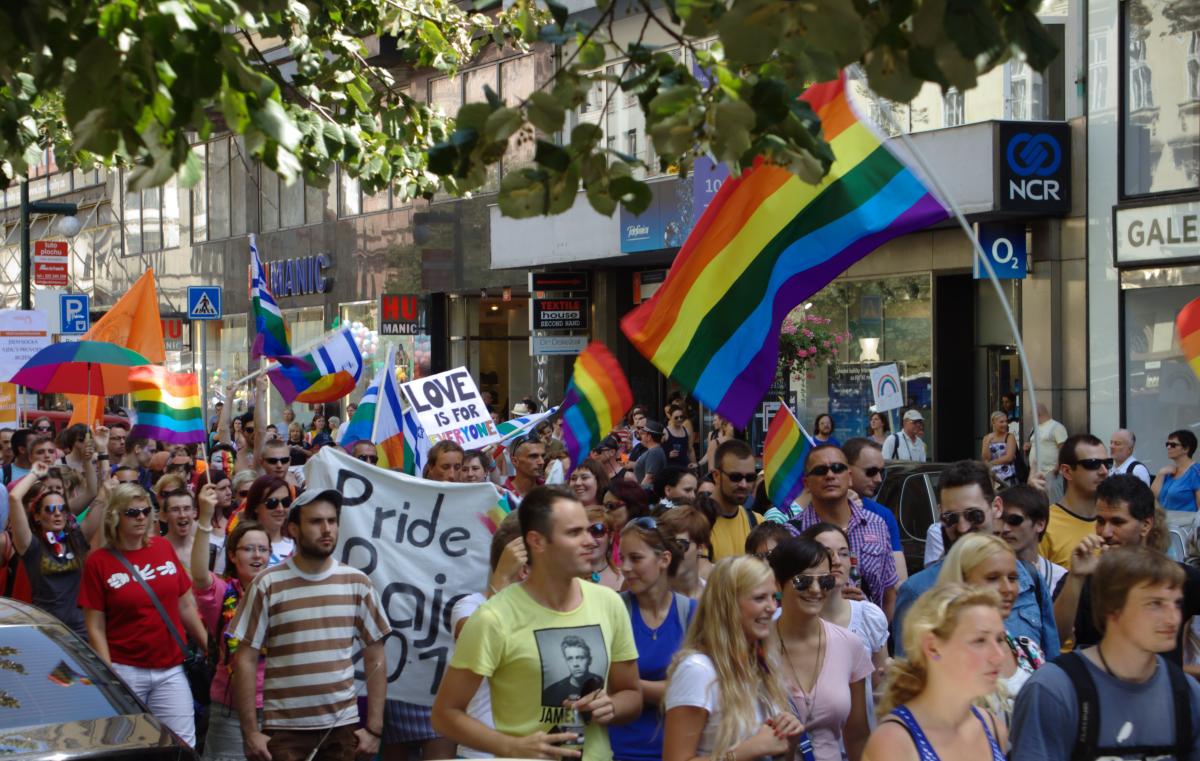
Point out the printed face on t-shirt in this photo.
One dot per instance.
(574, 662)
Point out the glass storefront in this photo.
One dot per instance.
(412, 352)
(490, 337)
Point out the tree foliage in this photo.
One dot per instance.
(134, 82)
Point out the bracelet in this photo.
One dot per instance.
(373, 733)
(101, 457)
(205, 529)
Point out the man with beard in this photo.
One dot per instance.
(734, 479)
(529, 460)
(310, 598)
(1124, 517)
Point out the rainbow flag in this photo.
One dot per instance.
(326, 373)
(492, 518)
(767, 242)
(784, 452)
(166, 405)
(272, 337)
(1187, 324)
(596, 399)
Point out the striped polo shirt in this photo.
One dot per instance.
(308, 624)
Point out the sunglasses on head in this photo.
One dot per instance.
(826, 581)
(645, 522)
(273, 502)
(277, 460)
(134, 512)
(367, 458)
(974, 516)
(1095, 463)
(597, 530)
(738, 478)
(52, 509)
(837, 468)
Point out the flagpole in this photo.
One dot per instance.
(379, 397)
(275, 365)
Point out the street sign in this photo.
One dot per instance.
(50, 259)
(1005, 247)
(557, 346)
(204, 302)
(400, 314)
(558, 281)
(74, 313)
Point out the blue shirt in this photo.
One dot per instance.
(642, 738)
(888, 518)
(1180, 493)
(1032, 614)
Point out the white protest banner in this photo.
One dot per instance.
(885, 383)
(23, 333)
(448, 406)
(424, 544)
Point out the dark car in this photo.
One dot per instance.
(59, 701)
(909, 490)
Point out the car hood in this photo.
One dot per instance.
(131, 736)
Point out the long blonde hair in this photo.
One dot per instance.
(747, 676)
(119, 499)
(967, 553)
(936, 612)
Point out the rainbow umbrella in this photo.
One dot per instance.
(80, 367)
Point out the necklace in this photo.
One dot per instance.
(809, 699)
(654, 631)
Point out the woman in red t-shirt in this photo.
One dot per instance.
(123, 625)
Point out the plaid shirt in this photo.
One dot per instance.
(869, 542)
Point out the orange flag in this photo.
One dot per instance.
(134, 323)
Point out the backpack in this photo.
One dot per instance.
(683, 607)
(751, 516)
(1087, 733)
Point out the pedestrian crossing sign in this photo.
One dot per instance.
(204, 302)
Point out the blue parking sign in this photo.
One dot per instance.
(204, 302)
(1004, 245)
(74, 313)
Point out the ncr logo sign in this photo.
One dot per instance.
(1033, 167)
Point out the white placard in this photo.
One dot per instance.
(448, 406)
(1157, 233)
(424, 544)
(22, 334)
(885, 385)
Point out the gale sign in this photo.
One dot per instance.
(1033, 167)
(448, 406)
(558, 314)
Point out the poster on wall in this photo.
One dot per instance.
(448, 406)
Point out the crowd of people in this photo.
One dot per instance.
(647, 603)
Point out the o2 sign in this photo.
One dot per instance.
(1004, 245)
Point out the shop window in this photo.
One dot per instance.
(953, 108)
(150, 217)
(412, 352)
(490, 337)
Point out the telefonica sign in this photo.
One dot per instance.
(1033, 167)
(1157, 234)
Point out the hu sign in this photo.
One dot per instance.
(1033, 168)
(400, 314)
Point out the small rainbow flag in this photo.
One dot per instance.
(492, 519)
(1187, 324)
(272, 337)
(784, 452)
(166, 405)
(596, 399)
(326, 373)
(766, 242)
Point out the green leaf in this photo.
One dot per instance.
(473, 116)
(273, 120)
(585, 137)
(733, 120)
(545, 112)
(502, 124)
(192, 170)
(633, 194)
(591, 55)
(523, 193)
(552, 156)
(558, 11)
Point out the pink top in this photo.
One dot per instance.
(824, 712)
(209, 602)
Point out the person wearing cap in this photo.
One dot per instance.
(606, 455)
(310, 598)
(654, 457)
(907, 444)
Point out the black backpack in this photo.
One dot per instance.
(1087, 734)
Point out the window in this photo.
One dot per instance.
(953, 108)
(1097, 80)
(219, 197)
(1141, 94)
(282, 206)
(1024, 92)
(1193, 66)
(150, 217)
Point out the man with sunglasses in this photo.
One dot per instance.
(1124, 517)
(827, 479)
(1022, 524)
(365, 451)
(276, 459)
(733, 481)
(967, 503)
(866, 474)
(1083, 463)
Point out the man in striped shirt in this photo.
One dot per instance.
(303, 615)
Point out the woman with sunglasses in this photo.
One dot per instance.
(51, 544)
(588, 481)
(954, 641)
(123, 624)
(246, 554)
(986, 561)
(824, 665)
(725, 699)
(267, 504)
(677, 442)
(603, 570)
(624, 501)
(1177, 485)
(1000, 450)
(660, 618)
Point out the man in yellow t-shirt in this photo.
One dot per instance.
(734, 479)
(1083, 463)
(552, 648)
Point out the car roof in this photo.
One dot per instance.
(17, 613)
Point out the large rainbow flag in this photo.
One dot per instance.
(326, 373)
(767, 242)
(272, 337)
(785, 449)
(596, 399)
(166, 405)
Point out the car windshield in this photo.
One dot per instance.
(47, 676)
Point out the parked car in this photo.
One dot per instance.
(60, 419)
(59, 701)
(909, 490)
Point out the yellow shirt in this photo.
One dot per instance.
(526, 650)
(729, 535)
(1064, 531)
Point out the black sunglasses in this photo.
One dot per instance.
(276, 460)
(872, 471)
(826, 582)
(1014, 519)
(133, 512)
(974, 516)
(43, 428)
(597, 530)
(645, 522)
(273, 502)
(1095, 463)
(367, 458)
(737, 478)
(837, 468)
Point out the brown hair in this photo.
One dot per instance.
(235, 538)
(439, 449)
(1121, 570)
(685, 519)
(657, 539)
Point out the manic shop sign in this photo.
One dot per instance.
(448, 406)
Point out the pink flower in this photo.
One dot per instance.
(835, 352)
(789, 328)
(802, 354)
(807, 333)
(825, 344)
(838, 338)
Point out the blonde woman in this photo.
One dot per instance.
(725, 700)
(1000, 450)
(954, 638)
(988, 562)
(123, 624)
